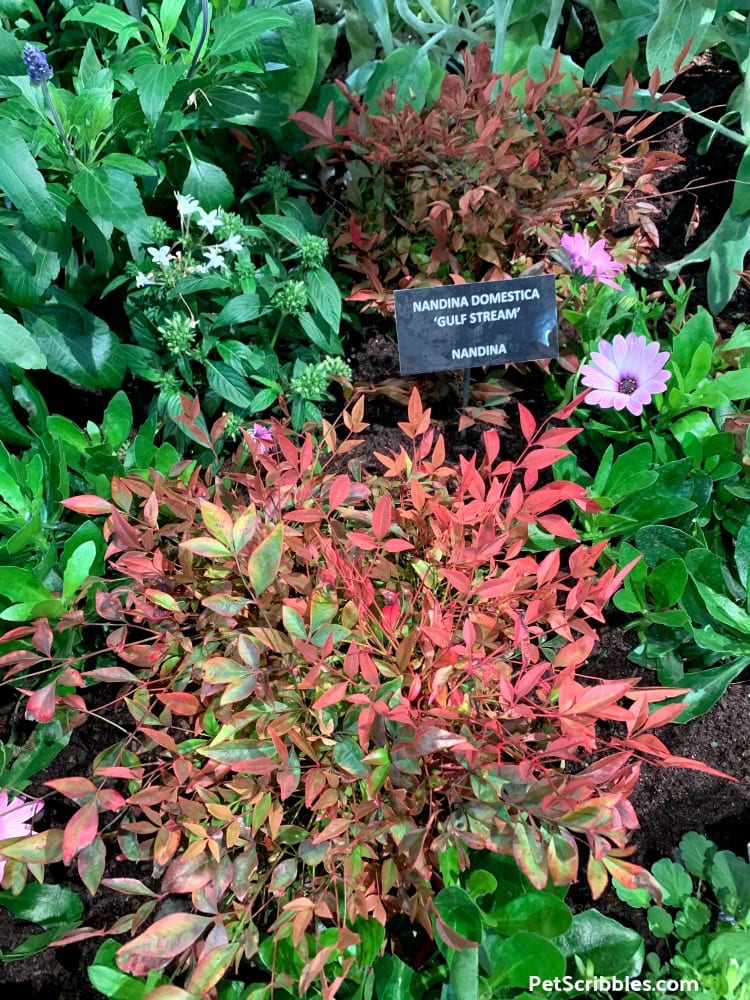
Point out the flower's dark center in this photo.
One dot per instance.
(627, 385)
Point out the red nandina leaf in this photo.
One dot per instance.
(128, 886)
(576, 653)
(542, 458)
(164, 940)
(382, 517)
(110, 800)
(528, 424)
(339, 492)
(78, 789)
(557, 525)
(42, 703)
(87, 503)
(80, 830)
(180, 702)
(332, 696)
(361, 541)
(321, 129)
(397, 545)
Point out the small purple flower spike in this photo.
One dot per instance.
(626, 373)
(36, 64)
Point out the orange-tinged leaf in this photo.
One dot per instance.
(91, 861)
(596, 876)
(180, 702)
(382, 517)
(207, 547)
(528, 850)
(528, 424)
(210, 969)
(73, 788)
(164, 940)
(263, 564)
(39, 848)
(80, 830)
(217, 521)
(332, 696)
(87, 503)
(339, 491)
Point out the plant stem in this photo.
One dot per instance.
(56, 118)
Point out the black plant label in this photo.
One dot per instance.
(470, 326)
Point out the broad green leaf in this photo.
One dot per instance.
(106, 17)
(110, 195)
(78, 569)
(78, 345)
(236, 32)
(394, 980)
(460, 912)
(240, 309)
(612, 949)
(154, 83)
(21, 181)
(117, 421)
(696, 853)
(674, 880)
(698, 332)
(517, 958)
(170, 12)
(208, 184)
(678, 22)
(294, 47)
(263, 564)
(229, 384)
(290, 229)
(407, 67)
(347, 753)
(17, 347)
(540, 912)
(325, 297)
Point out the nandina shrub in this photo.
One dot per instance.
(479, 185)
(331, 680)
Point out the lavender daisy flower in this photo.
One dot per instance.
(15, 818)
(626, 373)
(262, 435)
(592, 261)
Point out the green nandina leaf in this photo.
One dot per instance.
(612, 949)
(21, 181)
(79, 345)
(111, 196)
(208, 184)
(263, 564)
(348, 754)
(460, 912)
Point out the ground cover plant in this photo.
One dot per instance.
(351, 732)
(273, 803)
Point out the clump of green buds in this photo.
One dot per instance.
(177, 334)
(313, 251)
(312, 381)
(291, 298)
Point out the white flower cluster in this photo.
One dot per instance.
(162, 257)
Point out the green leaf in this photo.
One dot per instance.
(667, 582)
(117, 421)
(294, 46)
(170, 12)
(674, 880)
(229, 384)
(348, 754)
(106, 17)
(460, 912)
(263, 564)
(110, 196)
(21, 181)
(292, 230)
(660, 922)
(612, 949)
(17, 347)
(394, 980)
(78, 568)
(696, 853)
(154, 83)
(237, 32)
(241, 309)
(208, 184)
(523, 955)
(678, 22)
(661, 542)
(54, 907)
(325, 297)
(79, 346)
(540, 912)
(409, 68)
(707, 686)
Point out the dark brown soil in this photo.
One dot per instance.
(669, 802)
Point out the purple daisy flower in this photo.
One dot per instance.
(593, 261)
(626, 373)
(15, 818)
(262, 435)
